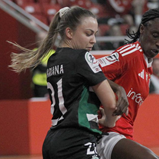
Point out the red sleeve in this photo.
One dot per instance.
(112, 66)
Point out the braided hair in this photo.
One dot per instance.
(147, 16)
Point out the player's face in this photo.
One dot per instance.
(149, 38)
(84, 35)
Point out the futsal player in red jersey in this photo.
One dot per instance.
(130, 67)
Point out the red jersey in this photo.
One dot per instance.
(128, 67)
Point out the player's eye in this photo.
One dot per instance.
(88, 34)
(155, 35)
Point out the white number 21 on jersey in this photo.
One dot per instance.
(62, 107)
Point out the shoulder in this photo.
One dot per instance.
(83, 54)
(130, 50)
(124, 55)
(69, 53)
(74, 52)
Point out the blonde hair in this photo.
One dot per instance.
(31, 58)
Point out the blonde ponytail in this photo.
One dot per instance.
(65, 17)
(31, 58)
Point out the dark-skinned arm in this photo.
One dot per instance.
(122, 101)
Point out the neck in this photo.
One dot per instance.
(65, 44)
(150, 60)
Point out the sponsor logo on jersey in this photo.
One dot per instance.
(144, 75)
(95, 157)
(55, 70)
(136, 97)
(148, 76)
(92, 62)
(141, 74)
(108, 60)
(113, 57)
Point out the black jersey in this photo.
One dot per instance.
(70, 73)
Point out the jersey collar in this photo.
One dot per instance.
(149, 64)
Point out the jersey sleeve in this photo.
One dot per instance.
(112, 66)
(122, 59)
(88, 67)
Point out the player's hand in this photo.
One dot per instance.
(122, 102)
(102, 118)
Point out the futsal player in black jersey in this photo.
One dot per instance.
(75, 83)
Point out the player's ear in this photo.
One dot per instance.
(142, 27)
(69, 33)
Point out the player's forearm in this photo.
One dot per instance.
(108, 100)
(115, 87)
(105, 95)
(122, 100)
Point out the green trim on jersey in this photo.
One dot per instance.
(87, 108)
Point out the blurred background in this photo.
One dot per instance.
(24, 113)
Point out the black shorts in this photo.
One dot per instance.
(70, 143)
